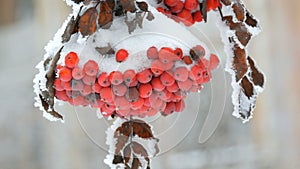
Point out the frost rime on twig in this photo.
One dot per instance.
(238, 27)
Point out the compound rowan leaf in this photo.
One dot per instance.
(88, 22)
(105, 16)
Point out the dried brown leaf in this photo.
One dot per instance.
(247, 87)
(128, 5)
(150, 16)
(239, 62)
(106, 50)
(87, 22)
(239, 10)
(256, 75)
(106, 16)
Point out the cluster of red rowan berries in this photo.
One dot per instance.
(160, 88)
(186, 11)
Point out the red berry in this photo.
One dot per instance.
(124, 113)
(144, 109)
(151, 112)
(110, 106)
(166, 55)
(212, 4)
(122, 103)
(195, 73)
(178, 52)
(67, 86)
(181, 74)
(197, 52)
(147, 102)
(168, 66)
(121, 55)
(61, 95)
(170, 108)
(144, 76)
(187, 60)
(167, 79)
(213, 62)
(77, 85)
(89, 80)
(97, 104)
(71, 60)
(91, 68)
(65, 74)
(152, 53)
(119, 90)
(103, 80)
(129, 77)
(96, 88)
(206, 76)
(106, 94)
(173, 87)
(157, 67)
(184, 15)
(58, 85)
(191, 4)
(197, 16)
(171, 3)
(160, 9)
(72, 94)
(165, 95)
(77, 73)
(132, 94)
(145, 90)
(87, 89)
(179, 106)
(137, 104)
(194, 88)
(185, 85)
(155, 101)
(115, 77)
(78, 101)
(157, 84)
(105, 111)
(178, 8)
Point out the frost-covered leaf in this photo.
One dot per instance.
(88, 22)
(247, 79)
(133, 144)
(106, 15)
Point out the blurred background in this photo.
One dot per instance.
(270, 140)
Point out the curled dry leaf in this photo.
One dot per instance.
(47, 97)
(88, 22)
(105, 16)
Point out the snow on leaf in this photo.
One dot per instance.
(133, 144)
(87, 22)
(247, 80)
(106, 15)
